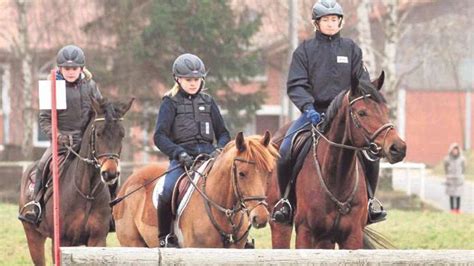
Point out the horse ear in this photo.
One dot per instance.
(266, 138)
(126, 107)
(240, 142)
(354, 86)
(378, 83)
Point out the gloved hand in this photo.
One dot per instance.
(65, 139)
(185, 159)
(313, 115)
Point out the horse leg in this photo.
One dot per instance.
(324, 244)
(304, 237)
(281, 235)
(353, 241)
(35, 244)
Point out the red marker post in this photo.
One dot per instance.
(54, 142)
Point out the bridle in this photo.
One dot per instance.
(229, 238)
(95, 160)
(372, 150)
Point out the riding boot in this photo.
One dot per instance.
(282, 211)
(166, 239)
(113, 195)
(376, 212)
(31, 211)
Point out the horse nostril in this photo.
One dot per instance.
(104, 175)
(396, 150)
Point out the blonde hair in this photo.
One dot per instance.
(173, 91)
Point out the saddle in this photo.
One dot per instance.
(300, 146)
(184, 183)
(46, 176)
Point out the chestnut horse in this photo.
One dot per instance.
(84, 204)
(232, 194)
(331, 194)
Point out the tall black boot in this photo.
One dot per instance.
(166, 240)
(282, 211)
(31, 211)
(376, 211)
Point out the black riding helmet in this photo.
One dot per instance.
(70, 56)
(189, 66)
(327, 7)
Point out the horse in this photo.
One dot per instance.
(84, 193)
(229, 197)
(331, 195)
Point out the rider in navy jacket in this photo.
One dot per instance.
(320, 69)
(188, 123)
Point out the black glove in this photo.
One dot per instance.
(64, 139)
(185, 159)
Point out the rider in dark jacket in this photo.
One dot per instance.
(321, 68)
(188, 123)
(80, 88)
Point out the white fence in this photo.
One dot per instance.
(194, 256)
(405, 174)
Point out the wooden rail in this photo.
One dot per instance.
(192, 256)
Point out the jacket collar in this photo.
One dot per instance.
(324, 37)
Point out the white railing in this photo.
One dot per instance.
(405, 170)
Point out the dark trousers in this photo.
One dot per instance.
(455, 202)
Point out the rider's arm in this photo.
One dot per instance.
(163, 126)
(221, 133)
(298, 86)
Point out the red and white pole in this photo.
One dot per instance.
(54, 142)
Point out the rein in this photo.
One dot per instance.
(240, 206)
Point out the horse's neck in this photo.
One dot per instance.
(337, 163)
(219, 184)
(81, 172)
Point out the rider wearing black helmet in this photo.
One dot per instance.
(321, 68)
(188, 124)
(80, 88)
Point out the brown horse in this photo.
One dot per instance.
(331, 195)
(84, 195)
(232, 193)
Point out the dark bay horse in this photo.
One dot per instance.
(232, 193)
(84, 195)
(331, 194)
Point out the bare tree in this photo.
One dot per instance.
(24, 55)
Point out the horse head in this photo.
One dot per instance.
(106, 135)
(253, 159)
(371, 127)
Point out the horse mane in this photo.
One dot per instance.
(363, 88)
(263, 156)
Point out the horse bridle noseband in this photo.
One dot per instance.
(240, 206)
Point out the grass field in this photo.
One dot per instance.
(406, 229)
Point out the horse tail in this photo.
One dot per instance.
(376, 240)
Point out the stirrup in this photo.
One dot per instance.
(38, 214)
(381, 212)
(277, 208)
(168, 241)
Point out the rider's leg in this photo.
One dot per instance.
(164, 206)
(31, 209)
(282, 210)
(375, 208)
